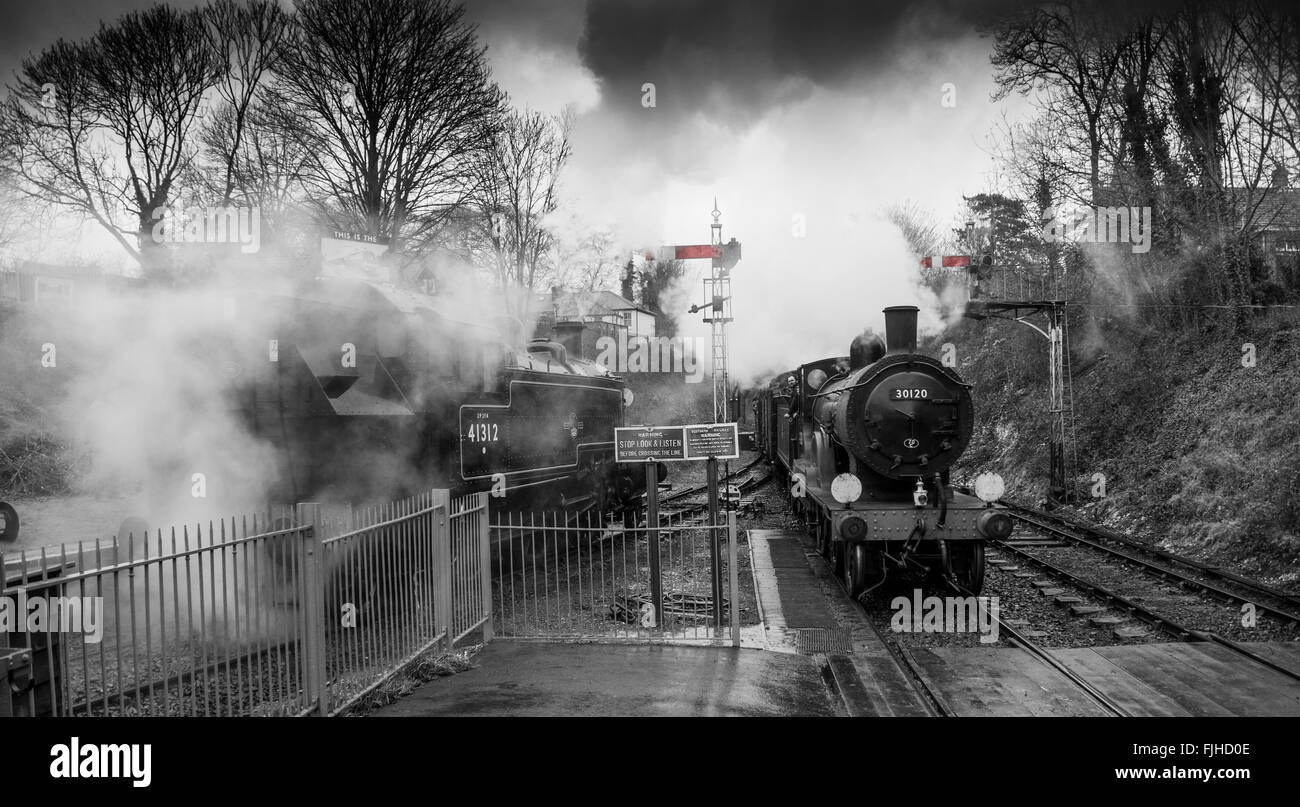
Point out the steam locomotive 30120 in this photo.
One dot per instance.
(866, 443)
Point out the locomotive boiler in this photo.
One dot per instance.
(867, 443)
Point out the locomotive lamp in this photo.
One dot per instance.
(846, 488)
(989, 487)
(919, 497)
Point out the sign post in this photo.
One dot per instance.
(715, 544)
(652, 535)
(651, 445)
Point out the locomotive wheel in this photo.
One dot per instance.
(824, 543)
(863, 566)
(968, 565)
(855, 573)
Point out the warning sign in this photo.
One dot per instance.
(677, 443)
(718, 440)
(644, 443)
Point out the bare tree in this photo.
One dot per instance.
(515, 196)
(391, 105)
(102, 127)
(1075, 52)
(1271, 41)
(923, 235)
(590, 259)
(247, 38)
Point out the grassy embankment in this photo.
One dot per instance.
(1199, 453)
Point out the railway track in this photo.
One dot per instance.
(1262, 596)
(1203, 577)
(935, 701)
(1173, 628)
(696, 508)
(1044, 655)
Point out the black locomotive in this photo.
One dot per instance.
(866, 443)
(369, 393)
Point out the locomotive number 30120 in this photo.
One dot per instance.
(915, 393)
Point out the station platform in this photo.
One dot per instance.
(805, 611)
(526, 678)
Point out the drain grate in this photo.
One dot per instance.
(822, 640)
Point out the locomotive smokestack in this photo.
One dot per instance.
(900, 328)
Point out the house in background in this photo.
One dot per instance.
(1275, 213)
(578, 319)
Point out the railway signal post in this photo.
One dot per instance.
(1060, 393)
(717, 304)
(983, 305)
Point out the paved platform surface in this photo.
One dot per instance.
(551, 679)
(806, 611)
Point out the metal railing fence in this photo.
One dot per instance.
(295, 613)
(583, 577)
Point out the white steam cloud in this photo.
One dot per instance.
(152, 396)
(801, 299)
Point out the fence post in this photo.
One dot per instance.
(734, 605)
(314, 633)
(442, 612)
(485, 561)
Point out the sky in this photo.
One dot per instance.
(805, 120)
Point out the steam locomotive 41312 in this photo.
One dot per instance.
(376, 392)
(866, 443)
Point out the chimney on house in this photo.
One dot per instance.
(1280, 177)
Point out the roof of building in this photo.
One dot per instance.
(575, 304)
(1271, 209)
